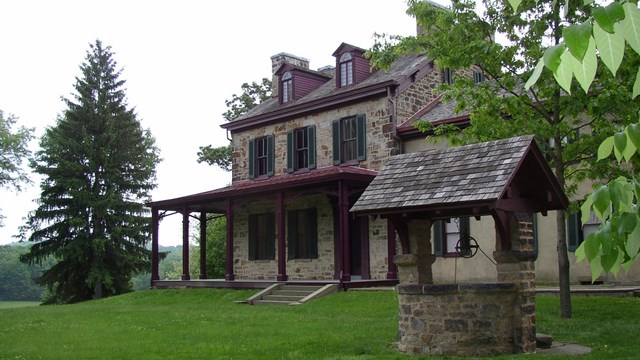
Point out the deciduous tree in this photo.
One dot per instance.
(462, 38)
(13, 150)
(98, 168)
(252, 95)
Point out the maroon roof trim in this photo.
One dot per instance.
(379, 89)
(260, 186)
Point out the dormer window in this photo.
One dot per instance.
(287, 87)
(346, 70)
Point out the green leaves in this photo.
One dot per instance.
(577, 37)
(607, 16)
(610, 47)
(585, 71)
(631, 25)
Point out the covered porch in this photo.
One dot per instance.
(339, 185)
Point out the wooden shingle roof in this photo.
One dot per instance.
(509, 174)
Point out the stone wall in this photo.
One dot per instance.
(321, 268)
(380, 142)
(456, 320)
(421, 93)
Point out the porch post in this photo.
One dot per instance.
(392, 269)
(185, 244)
(282, 253)
(203, 245)
(229, 276)
(155, 258)
(344, 229)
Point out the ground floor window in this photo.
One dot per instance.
(447, 233)
(262, 239)
(303, 234)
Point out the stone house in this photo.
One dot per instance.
(302, 158)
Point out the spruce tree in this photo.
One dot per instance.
(98, 168)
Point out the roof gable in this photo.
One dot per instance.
(510, 175)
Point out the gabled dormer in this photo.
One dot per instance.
(351, 65)
(294, 81)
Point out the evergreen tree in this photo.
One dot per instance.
(98, 168)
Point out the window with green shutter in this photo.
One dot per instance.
(301, 149)
(447, 233)
(302, 231)
(261, 156)
(349, 139)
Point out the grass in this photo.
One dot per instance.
(17, 304)
(207, 324)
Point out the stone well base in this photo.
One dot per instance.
(457, 319)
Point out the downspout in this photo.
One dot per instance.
(391, 96)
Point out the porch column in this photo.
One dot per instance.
(203, 245)
(392, 269)
(155, 258)
(282, 253)
(229, 276)
(343, 209)
(185, 244)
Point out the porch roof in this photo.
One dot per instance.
(510, 175)
(215, 200)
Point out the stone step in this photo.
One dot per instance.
(292, 292)
(279, 297)
(309, 288)
(271, 302)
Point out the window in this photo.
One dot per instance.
(349, 139)
(447, 76)
(447, 233)
(303, 234)
(346, 70)
(287, 87)
(578, 232)
(261, 156)
(478, 77)
(301, 149)
(262, 239)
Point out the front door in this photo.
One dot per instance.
(355, 249)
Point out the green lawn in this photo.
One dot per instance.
(17, 304)
(207, 324)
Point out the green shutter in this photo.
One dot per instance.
(252, 159)
(271, 236)
(253, 237)
(534, 227)
(361, 132)
(437, 237)
(291, 234)
(336, 142)
(313, 234)
(290, 151)
(311, 134)
(573, 226)
(465, 227)
(271, 157)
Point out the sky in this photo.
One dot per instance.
(181, 60)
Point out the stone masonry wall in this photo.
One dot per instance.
(380, 142)
(321, 268)
(421, 93)
(456, 320)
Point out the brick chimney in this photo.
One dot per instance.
(284, 58)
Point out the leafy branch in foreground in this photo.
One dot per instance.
(603, 36)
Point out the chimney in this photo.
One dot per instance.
(284, 58)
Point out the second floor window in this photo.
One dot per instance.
(349, 139)
(301, 148)
(346, 70)
(261, 156)
(447, 76)
(287, 87)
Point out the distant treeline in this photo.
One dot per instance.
(17, 279)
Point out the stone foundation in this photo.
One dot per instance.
(457, 319)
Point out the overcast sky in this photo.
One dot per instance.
(181, 61)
